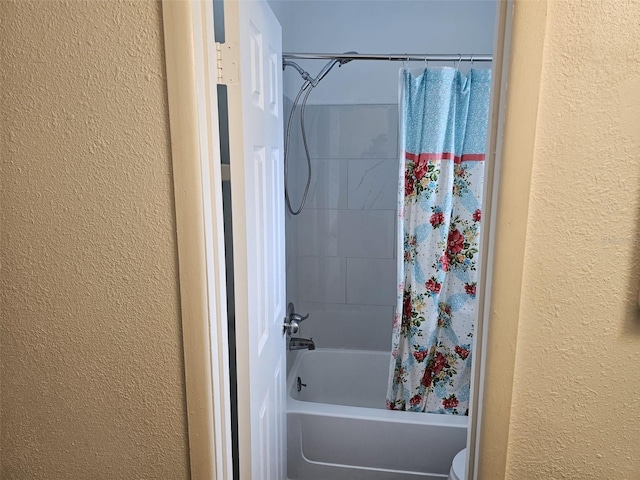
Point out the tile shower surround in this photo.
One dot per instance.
(341, 262)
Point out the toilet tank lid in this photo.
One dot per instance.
(460, 463)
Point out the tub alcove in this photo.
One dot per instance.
(341, 249)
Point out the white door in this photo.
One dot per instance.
(256, 149)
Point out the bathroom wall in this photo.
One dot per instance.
(576, 331)
(343, 243)
(575, 405)
(380, 26)
(346, 267)
(291, 223)
(90, 339)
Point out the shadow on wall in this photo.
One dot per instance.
(379, 145)
(632, 316)
(629, 94)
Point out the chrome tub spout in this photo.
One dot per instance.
(297, 343)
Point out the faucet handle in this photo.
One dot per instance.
(297, 317)
(293, 316)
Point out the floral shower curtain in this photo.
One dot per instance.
(445, 117)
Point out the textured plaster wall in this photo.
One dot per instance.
(92, 375)
(576, 397)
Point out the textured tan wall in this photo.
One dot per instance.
(92, 374)
(576, 397)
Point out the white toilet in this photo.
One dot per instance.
(458, 466)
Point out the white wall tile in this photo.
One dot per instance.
(322, 279)
(296, 180)
(366, 233)
(373, 184)
(350, 212)
(368, 131)
(371, 281)
(328, 184)
(360, 327)
(291, 238)
(318, 233)
(350, 131)
(291, 255)
(318, 127)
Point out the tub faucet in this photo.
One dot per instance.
(297, 343)
(292, 315)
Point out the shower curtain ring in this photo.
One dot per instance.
(459, 60)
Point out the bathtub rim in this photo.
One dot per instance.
(363, 413)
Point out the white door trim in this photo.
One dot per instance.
(500, 72)
(195, 148)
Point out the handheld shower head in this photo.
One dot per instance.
(327, 68)
(314, 81)
(308, 86)
(347, 60)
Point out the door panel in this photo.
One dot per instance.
(256, 136)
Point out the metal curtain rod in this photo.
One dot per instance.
(397, 57)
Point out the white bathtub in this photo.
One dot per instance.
(339, 428)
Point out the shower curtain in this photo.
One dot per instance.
(444, 126)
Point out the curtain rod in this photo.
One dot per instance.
(398, 57)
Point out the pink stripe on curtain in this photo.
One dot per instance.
(467, 157)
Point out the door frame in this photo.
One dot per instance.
(191, 79)
(519, 53)
(191, 64)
